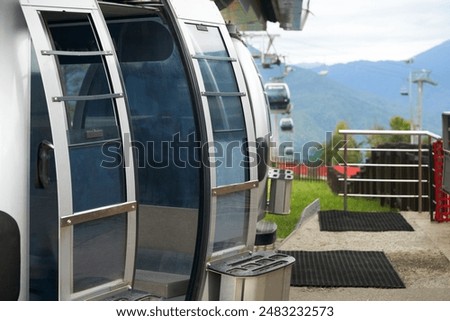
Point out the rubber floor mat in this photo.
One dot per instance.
(341, 221)
(343, 269)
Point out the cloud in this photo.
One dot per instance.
(348, 30)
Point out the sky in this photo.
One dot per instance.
(340, 31)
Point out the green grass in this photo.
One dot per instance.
(304, 193)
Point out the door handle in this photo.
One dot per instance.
(262, 150)
(43, 163)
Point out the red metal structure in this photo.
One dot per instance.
(442, 211)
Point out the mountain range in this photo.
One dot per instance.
(364, 94)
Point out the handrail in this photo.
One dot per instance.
(420, 166)
(389, 132)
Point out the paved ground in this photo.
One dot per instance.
(421, 258)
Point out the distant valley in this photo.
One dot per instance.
(363, 94)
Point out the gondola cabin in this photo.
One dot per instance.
(286, 124)
(279, 97)
(129, 155)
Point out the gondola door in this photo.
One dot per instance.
(231, 137)
(90, 129)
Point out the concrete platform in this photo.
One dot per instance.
(421, 258)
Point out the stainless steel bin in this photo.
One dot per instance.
(259, 276)
(280, 191)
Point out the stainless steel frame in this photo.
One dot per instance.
(222, 190)
(419, 134)
(55, 102)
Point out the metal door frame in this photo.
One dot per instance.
(252, 184)
(56, 106)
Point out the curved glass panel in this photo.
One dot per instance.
(167, 150)
(98, 252)
(229, 133)
(165, 141)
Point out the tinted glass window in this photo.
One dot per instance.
(93, 132)
(93, 118)
(225, 105)
(165, 142)
(229, 133)
(95, 149)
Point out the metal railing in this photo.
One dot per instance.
(418, 181)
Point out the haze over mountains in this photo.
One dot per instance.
(363, 94)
